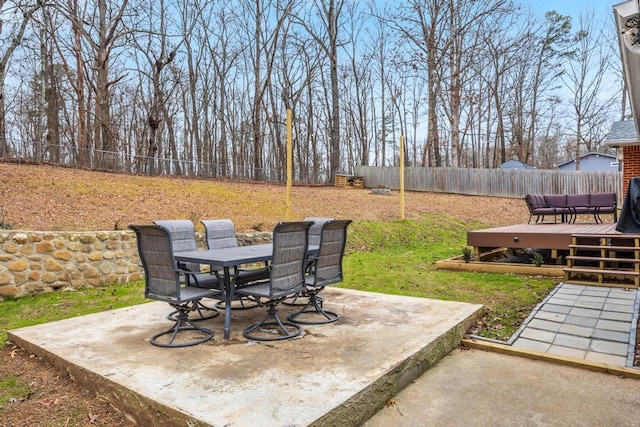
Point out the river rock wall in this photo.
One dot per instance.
(33, 262)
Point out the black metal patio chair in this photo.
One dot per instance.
(164, 282)
(326, 269)
(315, 231)
(314, 240)
(286, 278)
(182, 233)
(221, 234)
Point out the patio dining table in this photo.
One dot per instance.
(225, 259)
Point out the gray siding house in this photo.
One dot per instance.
(592, 162)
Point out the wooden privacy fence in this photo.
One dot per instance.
(492, 182)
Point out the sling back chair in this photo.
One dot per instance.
(314, 240)
(326, 269)
(183, 238)
(221, 234)
(286, 278)
(164, 282)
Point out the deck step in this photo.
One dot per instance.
(607, 247)
(598, 258)
(588, 270)
(602, 251)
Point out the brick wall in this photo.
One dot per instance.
(631, 166)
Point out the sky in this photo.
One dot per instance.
(573, 8)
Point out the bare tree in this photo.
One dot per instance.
(50, 92)
(110, 30)
(584, 79)
(423, 24)
(537, 71)
(328, 14)
(12, 34)
(460, 49)
(381, 55)
(265, 26)
(501, 40)
(223, 48)
(359, 72)
(160, 46)
(76, 76)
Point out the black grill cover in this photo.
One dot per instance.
(629, 221)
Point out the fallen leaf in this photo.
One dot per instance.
(45, 402)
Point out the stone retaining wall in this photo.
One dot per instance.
(33, 262)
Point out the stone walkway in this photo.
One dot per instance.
(592, 323)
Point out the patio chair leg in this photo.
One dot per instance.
(314, 308)
(296, 300)
(199, 310)
(282, 331)
(183, 324)
(242, 303)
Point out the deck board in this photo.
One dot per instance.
(535, 236)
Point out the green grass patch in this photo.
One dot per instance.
(399, 258)
(49, 307)
(12, 389)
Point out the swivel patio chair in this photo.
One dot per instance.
(326, 269)
(315, 231)
(183, 238)
(221, 234)
(163, 282)
(286, 278)
(314, 240)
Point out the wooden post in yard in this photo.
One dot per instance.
(289, 211)
(402, 177)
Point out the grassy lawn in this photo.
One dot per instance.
(399, 258)
(396, 257)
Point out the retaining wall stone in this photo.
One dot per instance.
(33, 262)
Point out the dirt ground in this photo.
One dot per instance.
(55, 400)
(51, 198)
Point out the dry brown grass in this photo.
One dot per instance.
(40, 197)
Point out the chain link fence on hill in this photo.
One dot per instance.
(121, 162)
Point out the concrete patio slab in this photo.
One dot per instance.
(478, 388)
(336, 374)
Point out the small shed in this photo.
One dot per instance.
(592, 161)
(515, 164)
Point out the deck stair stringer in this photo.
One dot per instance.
(604, 260)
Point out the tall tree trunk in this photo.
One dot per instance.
(16, 39)
(83, 140)
(334, 154)
(256, 113)
(52, 104)
(432, 150)
(103, 132)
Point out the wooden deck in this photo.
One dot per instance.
(595, 254)
(534, 236)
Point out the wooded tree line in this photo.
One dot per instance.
(201, 86)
